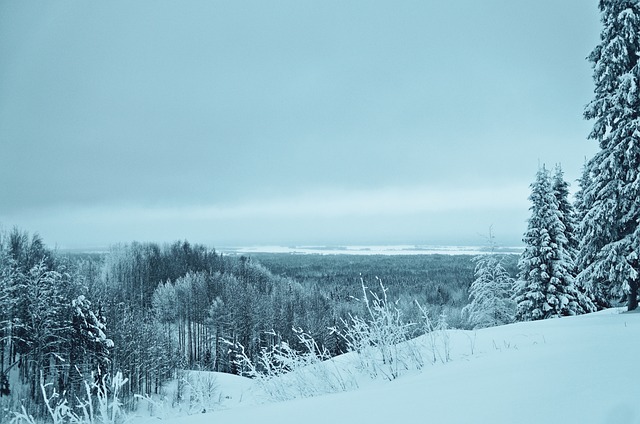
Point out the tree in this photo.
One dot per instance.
(568, 217)
(567, 211)
(89, 350)
(610, 234)
(43, 324)
(545, 286)
(490, 302)
(7, 300)
(579, 204)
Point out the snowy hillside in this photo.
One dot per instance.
(567, 370)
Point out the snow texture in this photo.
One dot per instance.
(552, 371)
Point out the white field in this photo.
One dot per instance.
(568, 370)
(370, 250)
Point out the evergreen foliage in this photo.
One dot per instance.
(50, 332)
(90, 350)
(609, 230)
(545, 286)
(567, 212)
(568, 217)
(490, 294)
(579, 204)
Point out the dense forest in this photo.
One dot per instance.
(441, 282)
(148, 310)
(70, 323)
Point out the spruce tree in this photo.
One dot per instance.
(89, 350)
(609, 230)
(545, 287)
(567, 212)
(579, 204)
(490, 302)
(568, 217)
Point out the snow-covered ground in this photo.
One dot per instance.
(369, 250)
(567, 370)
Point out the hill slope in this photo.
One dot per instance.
(568, 370)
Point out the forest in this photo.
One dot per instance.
(147, 310)
(75, 326)
(71, 324)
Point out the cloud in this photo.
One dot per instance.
(392, 214)
(396, 201)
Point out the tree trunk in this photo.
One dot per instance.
(633, 296)
(216, 360)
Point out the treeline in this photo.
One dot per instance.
(438, 282)
(141, 309)
(198, 311)
(148, 310)
(558, 274)
(50, 332)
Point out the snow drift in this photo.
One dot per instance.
(565, 370)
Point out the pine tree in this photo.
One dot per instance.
(545, 287)
(569, 220)
(490, 302)
(610, 234)
(89, 350)
(7, 300)
(43, 339)
(579, 204)
(567, 212)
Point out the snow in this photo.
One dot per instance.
(370, 250)
(564, 370)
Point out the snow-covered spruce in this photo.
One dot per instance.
(609, 230)
(567, 211)
(490, 302)
(90, 347)
(545, 286)
(568, 217)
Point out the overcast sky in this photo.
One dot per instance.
(287, 122)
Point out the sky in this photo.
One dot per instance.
(287, 122)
